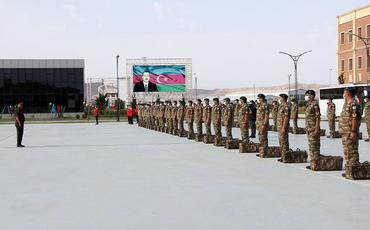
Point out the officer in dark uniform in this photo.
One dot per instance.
(19, 123)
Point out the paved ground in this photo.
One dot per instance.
(115, 176)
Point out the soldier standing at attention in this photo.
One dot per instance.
(207, 116)
(228, 118)
(283, 124)
(216, 117)
(331, 116)
(262, 123)
(294, 114)
(190, 117)
(275, 109)
(367, 116)
(180, 116)
(313, 127)
(243, 119)
(198, 117)
(175, 126)
(350, 119)
(162, 118)
(19, 123)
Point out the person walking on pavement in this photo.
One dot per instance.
(96, 115)
(19, 123)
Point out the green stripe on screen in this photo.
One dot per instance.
(171, 88)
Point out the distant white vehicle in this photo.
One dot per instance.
(336, 93)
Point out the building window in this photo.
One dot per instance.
(359, 32)
(368, 61)
(368, 31)
(350, 36)
(350, 64)
(359, 62)
(342, 65)
(342, 38)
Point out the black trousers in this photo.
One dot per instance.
(130, 120)
(97, 120)
(19, 134)
(252, 125)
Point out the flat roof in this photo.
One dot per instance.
(42, 63)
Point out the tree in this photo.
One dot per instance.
(101, 101)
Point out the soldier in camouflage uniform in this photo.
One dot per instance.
(207, 116)
(330, 113)
(262, 123)
(294, 114)
(162, 118)
(198, 109)
(216, 117)
(243, 119)
(367, 116)
(228, 118)
(168, 115)
(313, 127)
(175, 126)
(236, 112)
(190, 117)
(180, 116)
(274, 112)
(350, 119)
(283, 124)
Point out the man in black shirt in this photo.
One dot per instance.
(19, 123)
(252, 119)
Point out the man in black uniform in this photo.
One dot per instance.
(19, 123)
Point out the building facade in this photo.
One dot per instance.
(352, 58)
(40, 82)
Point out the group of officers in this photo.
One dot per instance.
(170, 117)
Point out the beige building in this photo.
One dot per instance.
(352, 59)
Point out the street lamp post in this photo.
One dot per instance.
(118, 101)
(366, 41)
(295, 59)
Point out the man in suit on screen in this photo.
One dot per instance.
(145, 85)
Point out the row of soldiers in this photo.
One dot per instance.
(170, 117)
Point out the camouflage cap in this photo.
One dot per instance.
(261, 95)
(311, 92)
(283, 95)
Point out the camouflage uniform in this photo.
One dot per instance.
(284, 111)
(294, 116)
(174, 118)
(198, 119)
(313, 113)
(180, 117)
(228, 120)
(263, 121)
(275, 110)
(243, 120)
(190, 119)
(331, 117)
(236, 113)
(207, 116)
(350, 110)
(216, 120)
(367, 117)
(162, 119)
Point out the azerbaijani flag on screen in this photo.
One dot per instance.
(168, 78)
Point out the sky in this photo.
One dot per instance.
(233, 43)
